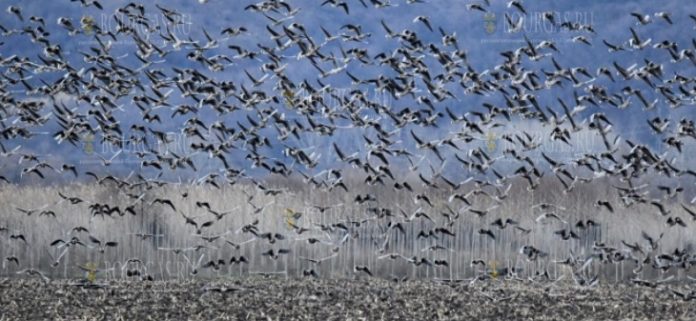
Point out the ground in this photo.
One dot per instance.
(274, 298)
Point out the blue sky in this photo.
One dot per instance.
(610, 20)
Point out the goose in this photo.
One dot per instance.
(34, 272)
(636, 42)
(424, 20)
(336, 4)
(642, 19)
(17, 11)
(518, 5)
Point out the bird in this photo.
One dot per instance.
(514, 26)
(102, 245)
(424, 20)
(67, 24)
(234, 31)
(582, 39)
(164, 201)
(636, 42)
(239, 260)
(675, 220)
(18, 236)
(685, 296)
(567, 234)
(612, 47)
(545, 217)
(660, 207)
(475, 6)
(689, 211)
(34, 272)
(531, 253)
(319, 260)
(642, 19)
(216, 265)
(548, 206)
(487, 232)
(518, 5)
(664, 15)
(87, 3)
(337, 3)
(502, 224)
(275, 254)
(17, 11)
(363, 269)
(585, 224)
(483, 212)
(605, 204)
(55, 261)
(12, 259)
(194, 266)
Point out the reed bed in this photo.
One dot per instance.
(364, 245)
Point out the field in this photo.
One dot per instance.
(273, 298)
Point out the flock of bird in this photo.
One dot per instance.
(263, 119)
